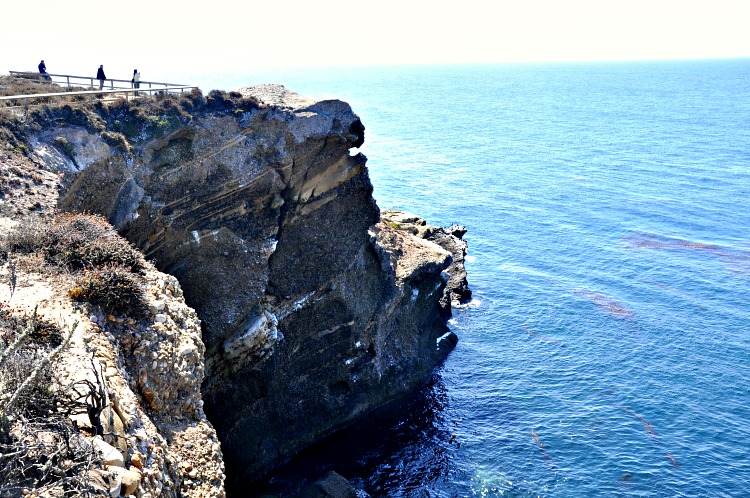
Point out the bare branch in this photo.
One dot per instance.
(12, 277)
(20, 339)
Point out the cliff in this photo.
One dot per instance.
(314, 309)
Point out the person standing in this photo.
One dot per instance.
(100, 76)
(136, 81)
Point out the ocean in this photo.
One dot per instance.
(607, 350)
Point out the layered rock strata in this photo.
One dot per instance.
(314, 311)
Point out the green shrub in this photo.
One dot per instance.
(116, 141)
(42, 117)
(137, 120)
(192, 101)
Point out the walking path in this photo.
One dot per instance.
(112, 88)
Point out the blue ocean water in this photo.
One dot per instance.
(607, 352)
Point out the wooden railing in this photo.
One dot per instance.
(110, 90)
(71, 80)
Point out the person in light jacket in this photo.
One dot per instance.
(136, 81)
(100, 76)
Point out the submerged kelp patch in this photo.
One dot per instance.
(605, 302)
(737, 260)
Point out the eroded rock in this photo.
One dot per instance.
(457, 290)
(313, 310)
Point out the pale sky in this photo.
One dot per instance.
(166, 38)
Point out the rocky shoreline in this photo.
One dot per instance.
(312, 307)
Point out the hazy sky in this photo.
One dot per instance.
(166, 38)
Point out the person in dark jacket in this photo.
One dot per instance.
(43, 71)
(100, 76)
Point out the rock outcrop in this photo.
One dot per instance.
(145, 373)
(457, 291)
(314, 310)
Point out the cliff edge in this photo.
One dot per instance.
(315, 309)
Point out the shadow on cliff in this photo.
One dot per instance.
(407, 443)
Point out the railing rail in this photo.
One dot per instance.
(73, 80)
(26, 100)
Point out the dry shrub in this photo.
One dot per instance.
(42, 332)
(13, 85)
(218, 100)
(24, 343)
(36, 399)
(114, 288)
(48, 455)
(40, 448)
(105, 264)
(87, 241)
(24, 238)
(80, 241)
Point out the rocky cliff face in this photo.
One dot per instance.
(137, 378)
(314, 310)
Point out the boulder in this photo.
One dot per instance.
(129, 479)
(332, 485)
(110, 454)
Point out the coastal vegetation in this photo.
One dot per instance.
(105, 266)
(68, 415)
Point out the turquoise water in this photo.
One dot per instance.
(607, 352)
